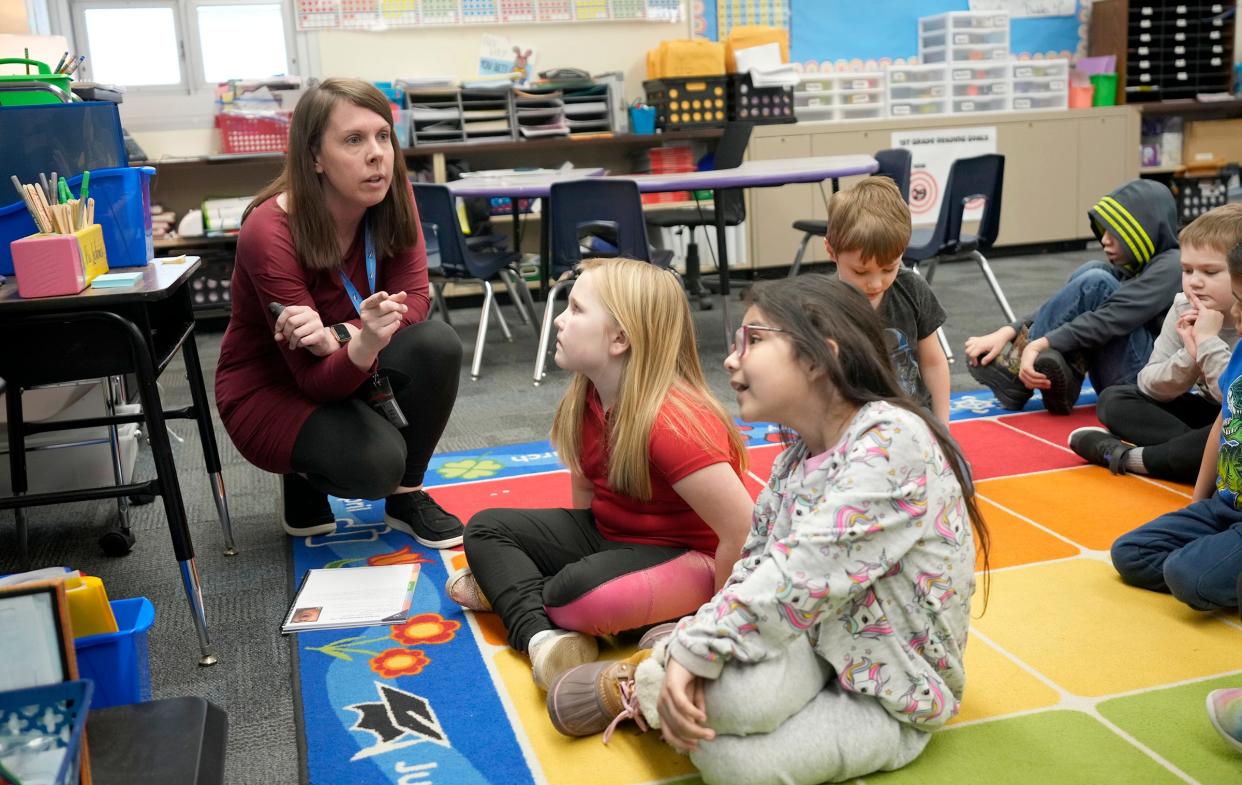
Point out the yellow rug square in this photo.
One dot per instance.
(995, 685)
(1086, 504)
(1075, 622)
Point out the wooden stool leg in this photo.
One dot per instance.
(211, 455)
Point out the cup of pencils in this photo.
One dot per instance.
(68, 251)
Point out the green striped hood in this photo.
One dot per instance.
(1143, 216)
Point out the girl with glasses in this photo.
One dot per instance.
(836, 645)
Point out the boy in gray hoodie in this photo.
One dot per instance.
(1104, 321)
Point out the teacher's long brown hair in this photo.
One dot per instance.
(392, 223)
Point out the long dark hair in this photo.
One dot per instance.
(392, 223)
(813, 309)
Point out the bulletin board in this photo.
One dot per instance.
(828, 35)
(386, 14)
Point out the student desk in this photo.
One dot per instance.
(102, 333)
(751, 174)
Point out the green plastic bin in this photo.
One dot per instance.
(14, 90)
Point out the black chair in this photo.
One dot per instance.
(590, 206)
(729, 153)
(893, 163)
(458, 261)
(970, 179)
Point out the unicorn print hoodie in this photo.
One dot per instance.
(867, 550)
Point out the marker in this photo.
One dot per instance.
(60, 63)
(276, 308)
(81, 59)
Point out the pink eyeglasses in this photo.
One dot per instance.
(741, 338)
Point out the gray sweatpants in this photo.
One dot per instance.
(786, 721)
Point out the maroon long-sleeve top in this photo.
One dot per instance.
(264, 390)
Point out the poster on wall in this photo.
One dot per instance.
(1026, 8)
(932, 152)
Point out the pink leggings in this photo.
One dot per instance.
(551, 568)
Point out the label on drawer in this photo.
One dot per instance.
(901, 109)
(1142, 50)
(1180, 23)
(961, 38)
(896, 76)
(1144, 23)
(1021, 103)
(1024, 72)
(1179, 63)
(1177, 50)
(1056, 84)
(860, 84)
(961, 75)
(967, 106)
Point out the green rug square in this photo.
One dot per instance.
(1065, 747)
(1174, 723)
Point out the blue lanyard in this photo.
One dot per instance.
(354, 297)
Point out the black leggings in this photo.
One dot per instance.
(350, 451)
(530, 563)
(1173, 434)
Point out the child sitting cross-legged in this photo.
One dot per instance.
(659, 509)
(1159, 426)
(1195, 553)
(835, 647)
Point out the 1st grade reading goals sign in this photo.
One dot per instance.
(933, 151)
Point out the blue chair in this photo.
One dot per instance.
(981, 177)
(458, 261)
(729, 154)
(588, 209)
(894, 164)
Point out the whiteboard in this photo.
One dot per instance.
(1026, 8)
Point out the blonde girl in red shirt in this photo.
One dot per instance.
(659, 509)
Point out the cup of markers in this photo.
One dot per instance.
(68, 251)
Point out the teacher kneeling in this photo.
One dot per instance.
(328, 373)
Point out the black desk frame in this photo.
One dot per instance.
(99, 334)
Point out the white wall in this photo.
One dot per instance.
(595, 47)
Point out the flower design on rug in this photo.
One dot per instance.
(425, 628)
(404, 556)
(399, 662)
(470, 468)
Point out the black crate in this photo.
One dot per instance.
(689, 101)
(211, 287)
(760, 105)
(1197, 195)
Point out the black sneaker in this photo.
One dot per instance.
(1066, 381)
(1100, 447)
(302, 510)
(421, 517)
(1009, 390)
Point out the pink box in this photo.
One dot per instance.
(51, 265)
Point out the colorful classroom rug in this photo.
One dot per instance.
(1073, 677)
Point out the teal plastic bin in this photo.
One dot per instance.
(118, 662)
(122, 209)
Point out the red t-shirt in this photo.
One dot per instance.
(265, 391)
(674, 454)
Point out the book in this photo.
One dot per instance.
(352, 597)
(115, 280)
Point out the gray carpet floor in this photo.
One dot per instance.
(247, 595)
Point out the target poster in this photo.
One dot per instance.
(933, 151)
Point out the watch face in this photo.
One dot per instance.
(341, 332)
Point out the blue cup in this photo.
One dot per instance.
(642, 119)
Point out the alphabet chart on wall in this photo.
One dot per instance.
(385, 14)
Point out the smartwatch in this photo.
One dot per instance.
(340, 332)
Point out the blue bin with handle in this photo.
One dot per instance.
(122, 209)
(118, 662)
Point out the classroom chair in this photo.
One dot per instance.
(981, 177)
(729, 153)
(591, 205)
(459, 261)
(893, 163)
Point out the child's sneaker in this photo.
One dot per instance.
(559, 652)
(1066, 378)
(596, 697)
(302, 510)
(1224, 708)
(1001, 375)
(1100, 447)
(463, 589)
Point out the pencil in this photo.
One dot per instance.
(90, 211)
(60, 63)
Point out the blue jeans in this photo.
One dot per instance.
(1119, 360)
(1195, 554)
